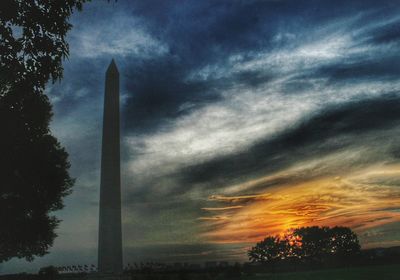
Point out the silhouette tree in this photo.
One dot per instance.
(33, 165)
(314, 244)
(271, 249)
(322, 242)
(343, 241)
(314, 241)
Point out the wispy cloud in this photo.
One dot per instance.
(246, 114)
(324, 202)
(222, 208)
(116, 34)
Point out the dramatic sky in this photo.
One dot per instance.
(240, 119)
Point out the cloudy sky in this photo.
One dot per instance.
(240, 119)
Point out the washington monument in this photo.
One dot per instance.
(110, 236)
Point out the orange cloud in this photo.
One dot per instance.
(222, 208)
(362, 201)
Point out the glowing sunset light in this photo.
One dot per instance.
(357, 201)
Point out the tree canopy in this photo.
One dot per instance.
(33, 165)
(306, 243)
(317, 242)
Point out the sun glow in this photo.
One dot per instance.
(362, 201)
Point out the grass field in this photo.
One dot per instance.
(381, 272)
(378, 272)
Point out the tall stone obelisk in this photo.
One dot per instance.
(110, 235)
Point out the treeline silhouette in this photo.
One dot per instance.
(301, 249)
(308, 248)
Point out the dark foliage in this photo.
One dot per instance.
(271, 249)
(307, 244)
(48, 273)
(33, 165)
(321, 242)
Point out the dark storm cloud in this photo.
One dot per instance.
(201, 33)
(307, 140)
(197, 33)
(385, 33)
(382, 68)
(388, 34)
(159, 93)
(356, 70)
(84, 87)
